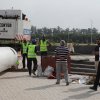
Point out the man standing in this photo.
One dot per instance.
(43, 48)
(31, 57)
(96, 52)
(62, 54)
(97, 65)
(24, 52)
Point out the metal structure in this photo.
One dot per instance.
(14, 25)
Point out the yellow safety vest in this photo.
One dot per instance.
(31, 51)
(24, 47)
(43, 45)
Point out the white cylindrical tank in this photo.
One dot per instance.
(8, 58)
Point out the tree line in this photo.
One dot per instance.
(75, 35)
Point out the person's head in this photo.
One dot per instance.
(43, 37)
(33, 41)
(98, 41)
(62, 43)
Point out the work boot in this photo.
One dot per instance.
(99, 84)
(67, 83)
(22, 68)
(29, 74)
(34, 72)
(93, 88)
(57, 82)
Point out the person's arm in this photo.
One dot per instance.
(39, 42)
(27, 50)
(48, 43)
(57, 56)
(68, 55)
(96, 51)
(35, 49)
(21, 49)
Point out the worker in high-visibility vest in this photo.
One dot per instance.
(44, 48)
(31, 57)
(24, 52)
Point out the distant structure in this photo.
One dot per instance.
(14, 25)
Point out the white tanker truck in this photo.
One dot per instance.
(14, 27)
(8, 58)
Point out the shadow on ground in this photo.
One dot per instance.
(82, 95)
(14, 77)
(42, 87)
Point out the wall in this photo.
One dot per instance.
(79, 49)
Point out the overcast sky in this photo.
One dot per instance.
(63, 13)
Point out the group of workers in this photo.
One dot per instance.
(29, 52)
(62, 54)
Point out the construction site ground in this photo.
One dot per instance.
(20, 86)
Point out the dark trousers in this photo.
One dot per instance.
(43, 54)
(24, 60)
(29, 64)
(96, 82)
